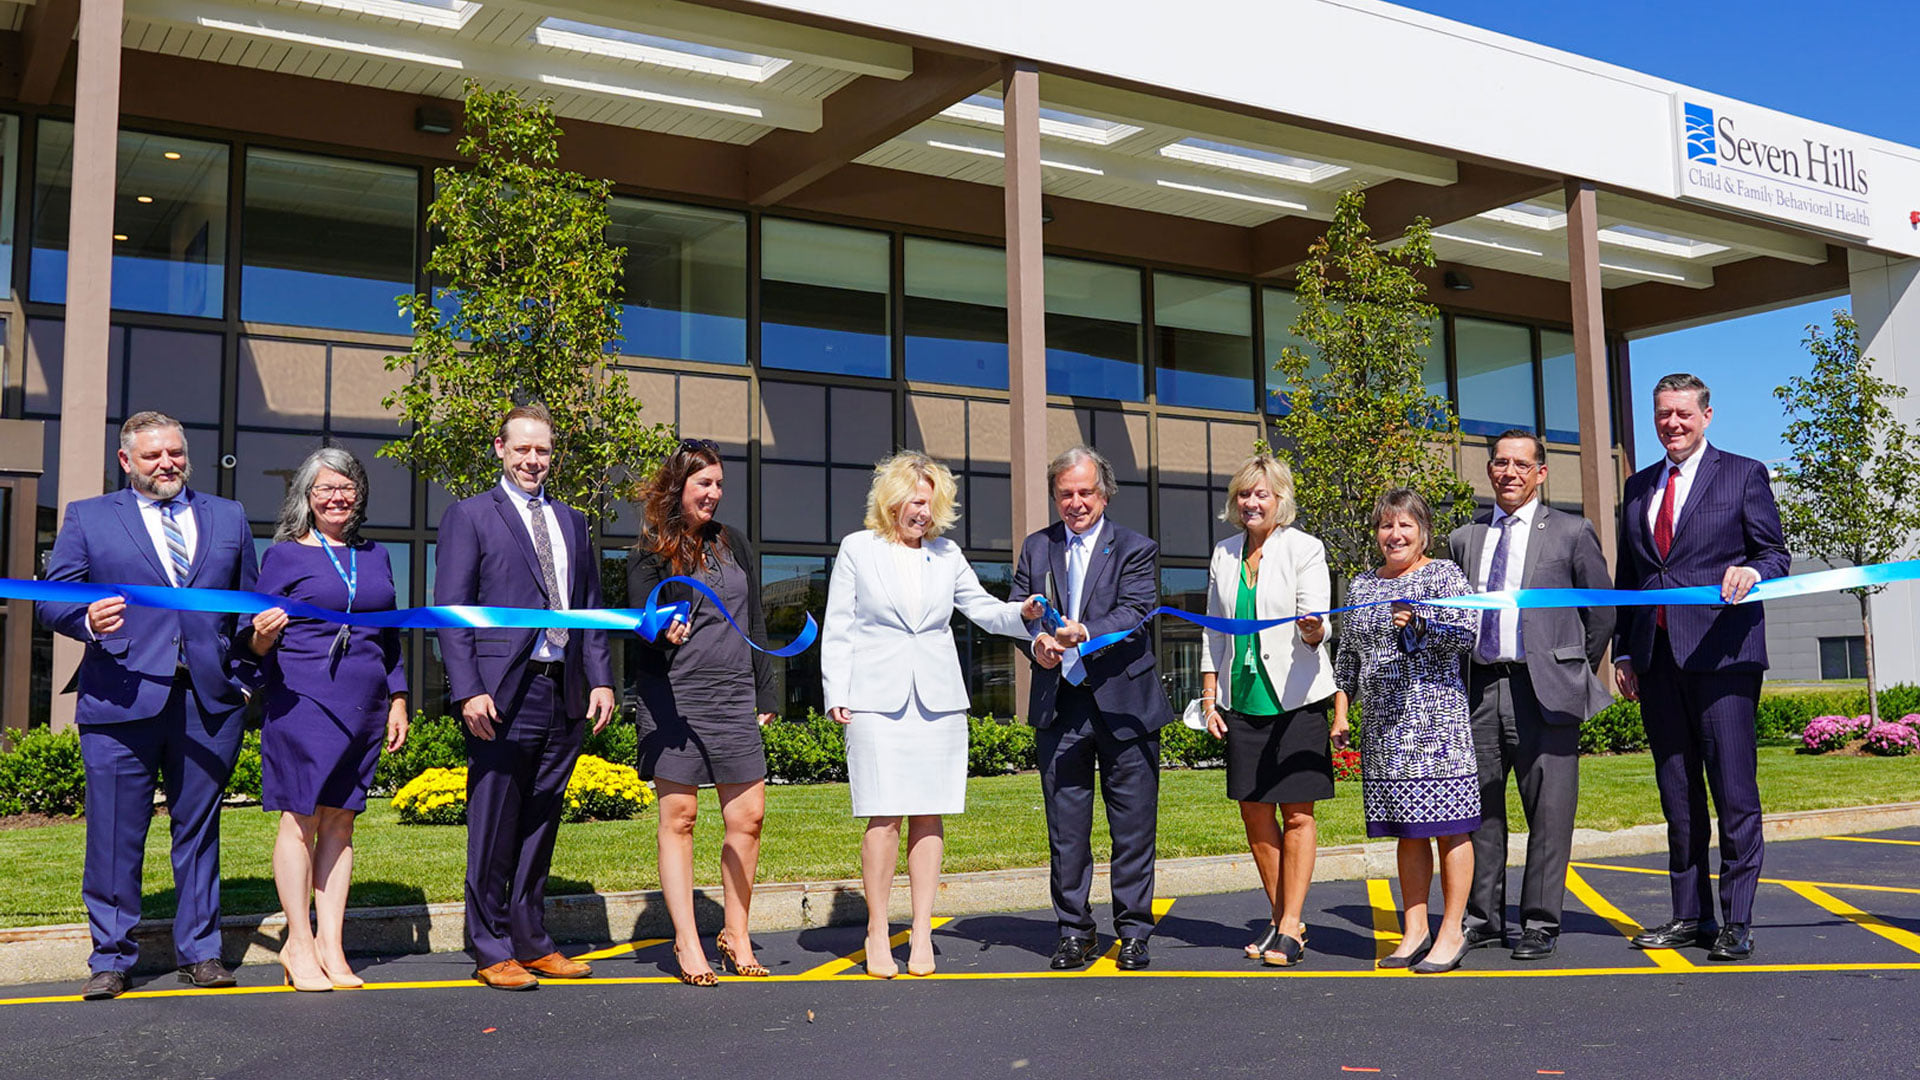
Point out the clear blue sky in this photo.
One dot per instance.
(1851, 64)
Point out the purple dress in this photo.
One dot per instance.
(326, 717)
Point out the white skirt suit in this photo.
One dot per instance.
(887, 656)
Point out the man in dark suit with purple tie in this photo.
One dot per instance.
(523, 695)
(1700, 516)
(160, 695)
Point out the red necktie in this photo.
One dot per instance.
(1663, 532)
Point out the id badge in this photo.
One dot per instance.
(339, 647)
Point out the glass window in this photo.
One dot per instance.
(988, 659)
(1495, 364)
(1279, 308)
(169, 222)
(1203, 337)
(956, 313)
(686, 281)
(1559, 385)
(1093, 330)
(823, 299)
(1843, 657)
(327, 242)
(790, 587)
(1180, 641)
(9, 171)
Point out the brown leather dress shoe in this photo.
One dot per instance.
(104, 986)
(555, 966)
(507, 975)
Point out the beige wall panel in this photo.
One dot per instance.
(1563, 477)
(1123, 439)
(289, 381)
(1067, 428)
(989, 432)
(1473, 467)
(938, 426)
(360, 381)
(715, 409)
(1232, 444)
(1183, 451)
(655, 391)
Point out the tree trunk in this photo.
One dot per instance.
(1866, 625)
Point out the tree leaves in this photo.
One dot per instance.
(1361, 419)
(526, 308)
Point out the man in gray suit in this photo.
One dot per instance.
(1531, 681)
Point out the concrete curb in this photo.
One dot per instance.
(57, 953)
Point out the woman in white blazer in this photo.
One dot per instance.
(892, 676)
(1268, 694)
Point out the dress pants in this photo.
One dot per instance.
(1702, 722)
(1071, 749)
(1511, 736)
(192, 752)
(516, 788)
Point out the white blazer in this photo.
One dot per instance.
(873, 656)
(1293, 580)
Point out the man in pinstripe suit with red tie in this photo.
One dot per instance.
(1699, 516)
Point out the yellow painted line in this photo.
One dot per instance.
(623, 950)
(1666, 959)
(1105, 965)
(1386, 917)
(1906, 939)
(1238, 973)
(1788, 882)
(859, 956)
(1873, 840)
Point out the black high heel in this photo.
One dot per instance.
(1408, 960)
(1259, 948)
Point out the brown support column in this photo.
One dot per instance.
(1026, 319)
(1590, 363)
(83, 391)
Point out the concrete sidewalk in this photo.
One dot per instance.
(55, 953)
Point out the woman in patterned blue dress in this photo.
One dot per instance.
(1419, 780)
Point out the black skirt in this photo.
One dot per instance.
(1280, 759)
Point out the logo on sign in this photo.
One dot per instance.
(1700, 141)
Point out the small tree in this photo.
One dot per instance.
(1361, 419)
(527, 310)
(1851, 493)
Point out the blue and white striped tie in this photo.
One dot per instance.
(177, 553)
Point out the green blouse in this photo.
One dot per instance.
(1252, 691)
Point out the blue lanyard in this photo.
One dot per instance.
(350, 575)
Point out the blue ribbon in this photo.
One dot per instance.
(647, 621)
(1846, 577)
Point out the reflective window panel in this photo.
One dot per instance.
(1093, 330)
(327, 242)
(685, 278)
(1203, 334)
(1495, 365)
(823, 299)
(956, 313)
(1559, 386)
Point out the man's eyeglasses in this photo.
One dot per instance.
(1501, 464)
(708, 445)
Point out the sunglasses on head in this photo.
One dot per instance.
(708, 445)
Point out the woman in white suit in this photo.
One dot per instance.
(892, 676)
(1268, 694)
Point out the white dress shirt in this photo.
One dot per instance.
(543, 650)
(1519, 526)
(151, 515)
(1088, 541)
(1683, 485)
(909, 564)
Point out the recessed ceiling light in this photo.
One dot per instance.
(642, 48)
(649, 95)
(444, 14)
(1248, 159)
(1496, 245)
(120, 236)
(986, 152)
(171, 155)
(318, 41)
(1242, 196)
(143, 198)
(985, 109)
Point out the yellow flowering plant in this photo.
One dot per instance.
(599, 790)
(435, 797)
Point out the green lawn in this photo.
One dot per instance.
(810, 835)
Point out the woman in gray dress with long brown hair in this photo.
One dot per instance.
(704, 694)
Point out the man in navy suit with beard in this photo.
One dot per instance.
(1699, 516)
(1102, 712)
(524, 695)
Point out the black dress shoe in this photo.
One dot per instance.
(1534, 945)
(207, 975)
(1133, 955)
(1409, 959)
(1480, 937)
(1675, 934)
(1734, 943)
(1436, 967)
(1074, 952)
(104, 986)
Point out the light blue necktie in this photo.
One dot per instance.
(178, 555)
(1071, 668)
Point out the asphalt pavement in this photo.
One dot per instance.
(1831, 991)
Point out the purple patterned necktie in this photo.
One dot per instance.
(1488, 649)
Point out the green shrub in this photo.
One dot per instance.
(1899, 700)
(1615, 729)
(433, 742)
(41, 773)
(619, 743)
(1782, 717)
(246, 768)
(1183, 747)
(999, 747)
(810, 751)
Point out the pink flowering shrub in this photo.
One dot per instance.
(1894, 740)
(1825, 734)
